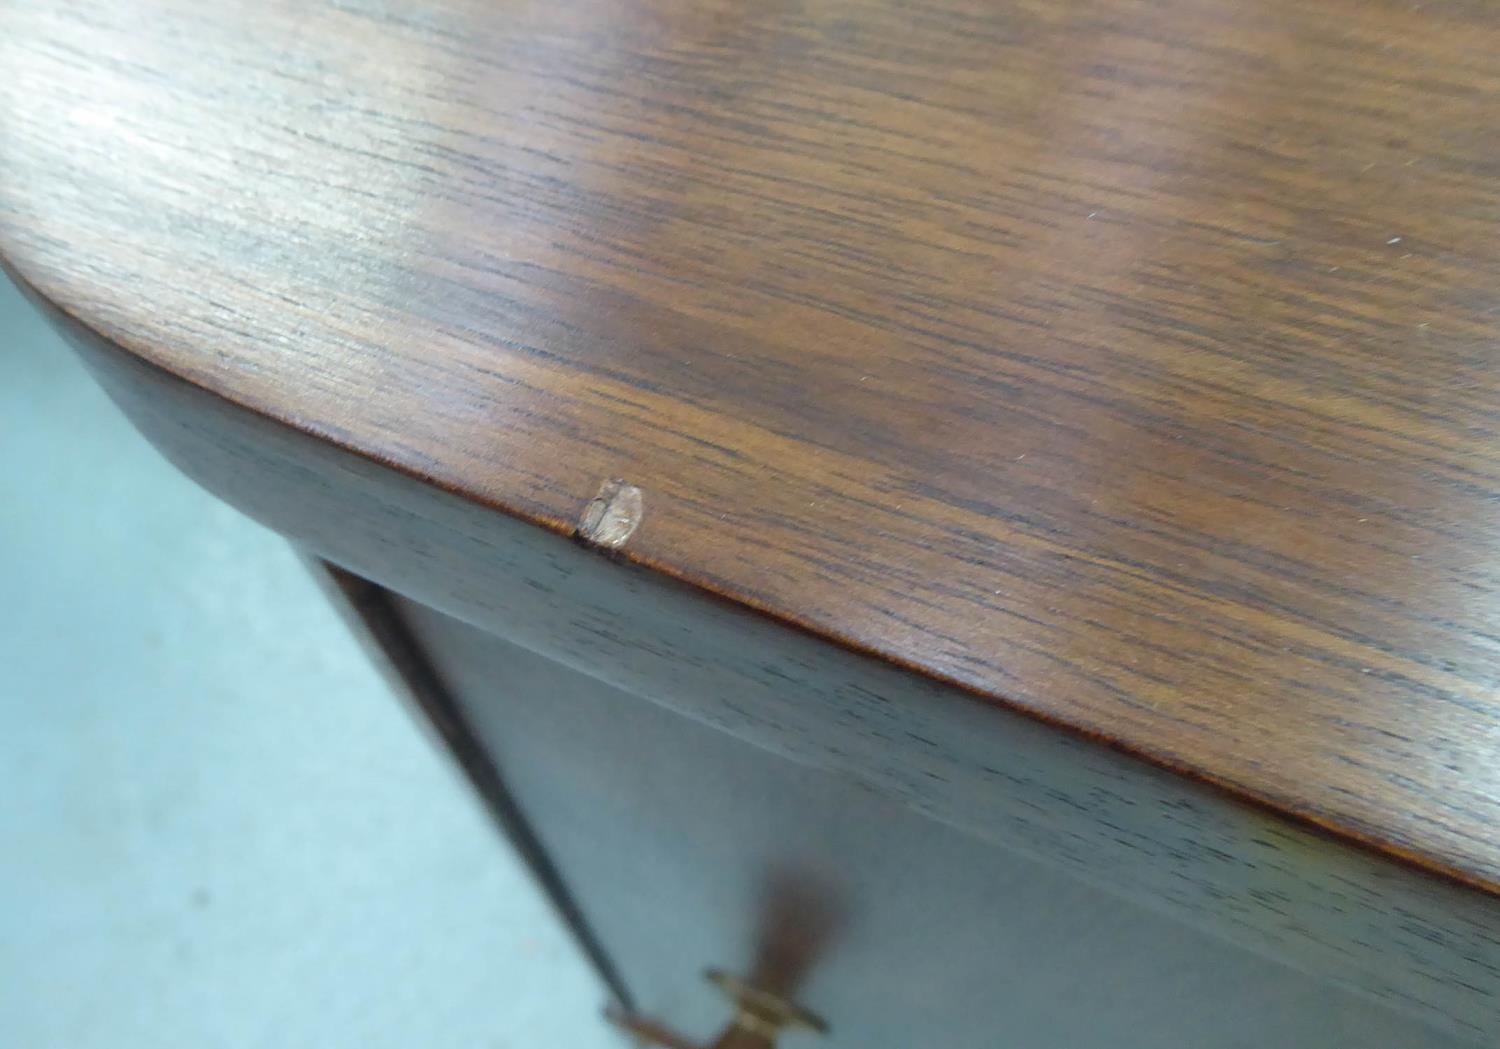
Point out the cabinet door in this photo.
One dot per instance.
(686, 849)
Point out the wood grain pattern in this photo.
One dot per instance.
(687, 848)
(1421, 944)
(1127, 364)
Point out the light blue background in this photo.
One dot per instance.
(218, 827)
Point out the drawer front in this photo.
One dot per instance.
(686, 849)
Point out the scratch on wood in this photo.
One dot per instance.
(612, 516)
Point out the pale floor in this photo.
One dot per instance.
(217, 826)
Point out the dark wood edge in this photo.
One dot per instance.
(374, 619)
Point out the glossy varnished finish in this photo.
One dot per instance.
(1339, 913)
(687, 848)
(1131, 364)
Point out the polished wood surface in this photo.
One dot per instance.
(1342, 914)
(1128, 364)
(688, 849)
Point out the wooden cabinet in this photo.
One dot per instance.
(685, 849)
(976, 518)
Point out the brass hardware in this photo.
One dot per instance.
(759, 1019)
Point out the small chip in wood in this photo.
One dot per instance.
(612, 516)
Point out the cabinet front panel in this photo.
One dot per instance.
(687, 849)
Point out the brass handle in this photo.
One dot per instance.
(759, 1019)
